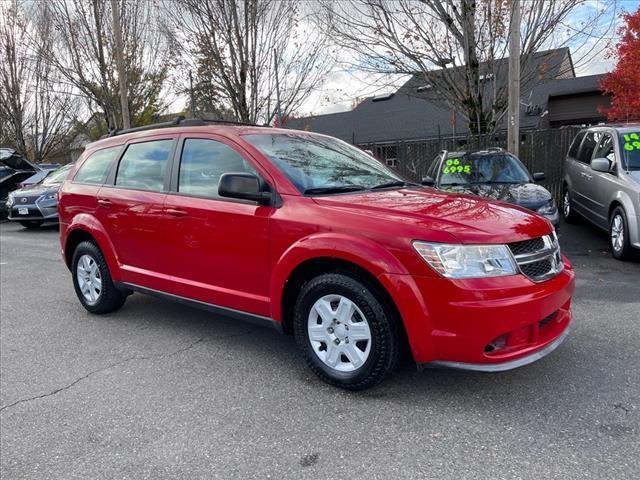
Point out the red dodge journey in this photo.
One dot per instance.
(313, 236)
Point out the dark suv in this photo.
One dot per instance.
(312, 236)
(602, 184)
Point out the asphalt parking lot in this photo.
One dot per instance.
(158, 390)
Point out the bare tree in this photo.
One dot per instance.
(13, 74)
(233, 44)
(36, 110)
(85, 50)
(458, 45)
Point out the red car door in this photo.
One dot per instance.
(219, 246)
(131, 210)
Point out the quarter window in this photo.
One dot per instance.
(202, 164)
(94, 170)
(143, 165)
(588, 146)
(575, 145)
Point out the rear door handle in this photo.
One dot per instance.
(103, 202)
(174, 212)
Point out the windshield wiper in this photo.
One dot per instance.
(398, 183)
(334, 189)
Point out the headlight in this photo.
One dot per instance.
(10, 200)
(467, 261)
(548, 209)
(48, 196)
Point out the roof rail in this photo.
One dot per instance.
(178, 121)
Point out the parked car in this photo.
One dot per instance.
(494, 174)
(36, 205)
(314, 237)
(37, 177)
(602, 184)
(14, 168)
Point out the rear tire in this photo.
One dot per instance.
(92, 280)
(31, 224)
(619, 235)
(346, 336)
(568, 214)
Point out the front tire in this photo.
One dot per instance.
(619, 235)
(568, 214)
(92, 280)
(345, 334)
(31, 224)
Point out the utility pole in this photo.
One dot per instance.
(191, 100)
(278, 110)
(513, 127)
(122, 73)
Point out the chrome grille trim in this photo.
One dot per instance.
(548, 257)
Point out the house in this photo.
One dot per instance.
(551, 95)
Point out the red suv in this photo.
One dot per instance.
(312, 236)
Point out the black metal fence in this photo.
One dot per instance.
(540, 151)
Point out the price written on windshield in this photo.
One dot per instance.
(631, 141)
(453, 165)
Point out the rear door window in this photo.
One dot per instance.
(202, 164)
(94, 170)
(588, 146)
(143, 165)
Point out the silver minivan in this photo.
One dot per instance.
(602, 183)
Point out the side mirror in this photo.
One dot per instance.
(601, 165)
(538, 176)
(244, 186)
(428, 181)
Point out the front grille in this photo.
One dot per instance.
(527, 246)
(26, 199)
(536, 269)
(538, 258)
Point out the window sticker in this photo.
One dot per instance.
(454, 165)
(631, 141)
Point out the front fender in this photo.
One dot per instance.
(363, 252)
(91, 225)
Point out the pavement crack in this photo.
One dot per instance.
(121, 362)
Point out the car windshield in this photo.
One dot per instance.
(630, 146)
(56, 176)
(317, 164)
(483, 168)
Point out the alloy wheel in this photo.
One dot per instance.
(339, 333)
(617, 233)
(89, 279)
(566, 204)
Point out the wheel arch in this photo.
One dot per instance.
(324, 253)
(313, 267)
(87, 228)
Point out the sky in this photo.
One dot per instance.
(343, 87)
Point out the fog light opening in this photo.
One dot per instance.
(497, 344)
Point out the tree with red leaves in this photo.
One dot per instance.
(624, 81)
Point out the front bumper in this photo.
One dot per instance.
(554, 218)
(504, 366)
(484, 324)
(40, 211)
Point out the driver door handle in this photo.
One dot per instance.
(103, 202)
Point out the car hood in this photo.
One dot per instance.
(528, 195)
(635, 175)
(470, 219)
(36, 189)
